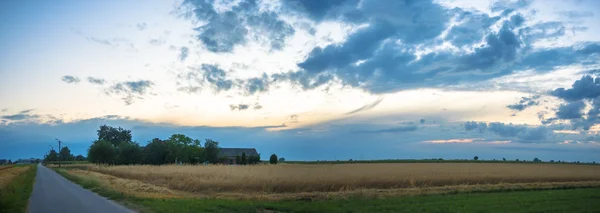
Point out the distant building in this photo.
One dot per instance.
(229, 154)
(3, 161)
(27, 161)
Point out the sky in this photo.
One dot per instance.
(307, 80)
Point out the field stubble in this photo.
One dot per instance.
(297, 178)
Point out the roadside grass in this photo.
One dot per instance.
(66, 162)
(531, 200)
(14, 196)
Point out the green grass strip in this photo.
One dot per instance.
(15, 196)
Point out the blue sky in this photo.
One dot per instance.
(307, 80)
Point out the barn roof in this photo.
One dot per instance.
(232, 152)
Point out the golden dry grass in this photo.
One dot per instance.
(7, 174)
(298, 178)
(129, 187)
(139, 189)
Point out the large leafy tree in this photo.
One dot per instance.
(212, 151)
(155, 152)
(184, 149)
(129, 153)
(102, 152)
(52, 156)
(65, 154)
(115, 136)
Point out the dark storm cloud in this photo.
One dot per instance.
(366, 107)
(70, 79)
(97, 81)
(323, 10)
(223, 30)
(381, 56)
(571, 110)
(522, 132)
(130, 90)
(584, 90)
(524, 103)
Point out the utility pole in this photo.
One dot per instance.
(58, 151)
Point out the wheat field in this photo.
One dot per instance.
(7, 173)
(286, 178)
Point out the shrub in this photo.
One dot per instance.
(273, 159)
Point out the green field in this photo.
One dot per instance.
(563, 200)
(14, 196)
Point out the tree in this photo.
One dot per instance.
(476, 158)
(503, 159)
(536, 160)
(273, 159)
(155, 152)
(115, 136)
(281, 160)
(244, 159)
(10, 162)
(52, 156)
(129, 153)
(80, 158)
(551, 161)
(517, 160)
(254, 159)
(65, 154)
(238, 160)
(102, 152)
(211, 149)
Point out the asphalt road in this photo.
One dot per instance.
(53, 193)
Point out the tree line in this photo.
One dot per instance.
(63, 155)
(114, 146)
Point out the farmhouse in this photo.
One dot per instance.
(229, 154)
